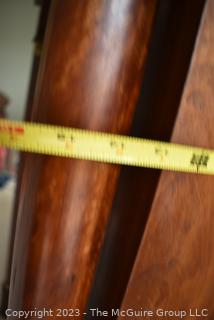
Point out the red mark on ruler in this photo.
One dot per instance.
(13, 130)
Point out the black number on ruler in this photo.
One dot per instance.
(199, 160)
(118, 146)
(62, 137)
(161, 152)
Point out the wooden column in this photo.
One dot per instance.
(174, 269)
(90, 76)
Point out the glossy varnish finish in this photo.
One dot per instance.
(166, 69)
(174, 269)
(90, 76)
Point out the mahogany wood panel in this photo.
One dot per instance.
(174, 269)
(90, 76)
(170, 52)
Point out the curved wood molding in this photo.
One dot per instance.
(90, 77)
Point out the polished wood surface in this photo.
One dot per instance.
(89, 77)
(174, 269)
(170, 52)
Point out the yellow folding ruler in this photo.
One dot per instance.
(104, 147)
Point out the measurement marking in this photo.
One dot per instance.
(104, 147)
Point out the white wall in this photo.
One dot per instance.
(18, 21)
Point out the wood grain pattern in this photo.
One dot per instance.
(174, 269)
(90, 76)
(170, 52)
